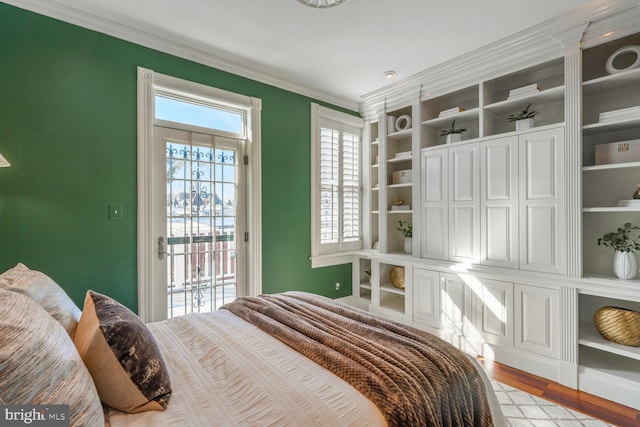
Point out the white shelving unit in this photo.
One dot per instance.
(607, 369)
(556, 158)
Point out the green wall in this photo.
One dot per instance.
(68, 126)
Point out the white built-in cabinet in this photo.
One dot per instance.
(504, 261)
(541, 209)
(434, 237)
(481, 199)
(464, 203)
(499, 202)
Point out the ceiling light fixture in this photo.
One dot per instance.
(321, 4)
(389, 74)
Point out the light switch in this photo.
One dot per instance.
(115, 211)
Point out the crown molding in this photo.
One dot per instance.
(73, 16)
(535, 45)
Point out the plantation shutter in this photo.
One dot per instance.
(329, 185)
(350, 187)
(339, 186)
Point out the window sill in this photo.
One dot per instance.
(327, 260)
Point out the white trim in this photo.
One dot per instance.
(148, 82)
(332, 259)
(145, 233)
(73, 16)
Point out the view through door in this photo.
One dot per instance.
(203, 209)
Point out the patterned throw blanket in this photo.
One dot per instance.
(413, 377)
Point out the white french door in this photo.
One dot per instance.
(199, 214)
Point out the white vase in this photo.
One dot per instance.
(524, 124)
(624, 265)
(408, 245)
(454, 137)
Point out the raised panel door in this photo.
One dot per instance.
(426, 297)
(537, 322)
(464, 202)
(434, 215)
(499, 202)
(453, 314)
(542, 222)
(495, 311)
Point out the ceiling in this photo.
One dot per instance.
(341, 51)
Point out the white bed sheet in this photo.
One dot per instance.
(226, 372)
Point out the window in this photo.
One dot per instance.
(335, 192)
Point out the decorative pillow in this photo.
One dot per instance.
(122, 355)
(43, 290)
(39, 365)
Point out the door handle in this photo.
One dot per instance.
(161, 247)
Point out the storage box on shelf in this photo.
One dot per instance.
(511, 93)
(438, 114)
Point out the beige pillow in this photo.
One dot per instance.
(43, 290)
(122, 356)
(39, 365)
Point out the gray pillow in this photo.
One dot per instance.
(45, 291)
(39, 365)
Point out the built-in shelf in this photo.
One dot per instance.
(399, 160)
(409, 184)
(388, 287)
(473, 113)
(375, 188)
(590, 337)
(611, 82)
(611, 209)
(544, 96)
(399, 212)
(375, 166)
(402, 134)
(365, 285)
(611, 166)
(595, 128)
(376, 142)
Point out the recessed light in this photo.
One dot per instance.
(389, 74)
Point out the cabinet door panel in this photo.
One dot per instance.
(541, 231)
(537, 322)
(542, 222)
(464, 229)
(464, 188)
(434, 225)
(499, 203)
(452, 306)
(496, 312)
(426, 297)
(498, 247)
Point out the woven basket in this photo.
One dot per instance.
(618, 325)
(396, 275)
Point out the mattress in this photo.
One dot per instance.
(227, 372)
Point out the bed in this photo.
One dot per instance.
(286, 359)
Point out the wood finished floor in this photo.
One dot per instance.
(586, 403)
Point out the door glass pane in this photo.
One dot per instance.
(201, 223)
